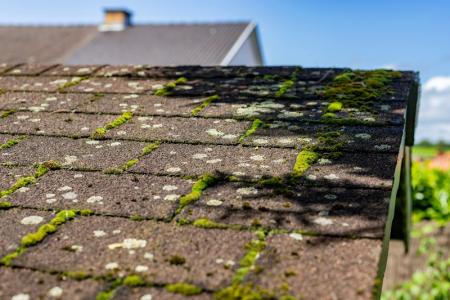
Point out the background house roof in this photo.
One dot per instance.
(178, 44)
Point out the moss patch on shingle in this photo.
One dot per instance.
(203, 105)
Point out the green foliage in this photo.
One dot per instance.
(431, 192)
(431, 283)
(204, 105)
(255, 125)
(183, 288)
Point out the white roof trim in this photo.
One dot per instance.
(238, 44)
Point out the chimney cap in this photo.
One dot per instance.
(118, 10)
(115, 19)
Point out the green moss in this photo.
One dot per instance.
(150, 148)
(41, 171)
(46, 229)
(208, 224)
(177, 260)
(254, 247)
(110, 291)
(305, 159)
(7, 259)
(21, 182)
(134, 280)
(169, 87)
(285, 86)
(77, 275)
(63, 216)
(255, 125)
(357, 89)
(5, 205)
(183, 288)
(85, 212)
(199, 186)
(125, 117)
(238, 291)
(6, 113)
(52, 165)
(74, 81)
(100, 132)
(113, 171)
(271, 182)
(11, 142)
(36, 237)
(136, 218)
(334, 106)
(204, 105)
(129, 164)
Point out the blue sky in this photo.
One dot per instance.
(403, 34)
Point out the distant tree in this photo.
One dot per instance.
(425, 143)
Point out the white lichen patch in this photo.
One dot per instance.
(331, 176)
(324, 161)
(261, 141)
(32, 220)
(64, 189)
(169, 187)
(285, 141)
(364, 136)
(78, 175)
(49, 195)
(55, 292)
(173, 169)
(296, 236)
(134, 243)
(214, 161)
(382, 147)
(69, 159)
(115, 144)
(172, 197)
(247, 191)
(214, 202)
(69, 196)
(23, 189)
(149, 256)
(215, 132)
(330, 197)
(323, 221)
(99, 233)
(146, 297)
(257, 157)
(76, 248)
(92, 142)
(112, 266)
(141, 269)
(21, 296)
(199, 156)
(311, 177)
(95, 199)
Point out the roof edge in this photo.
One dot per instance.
(238, 44)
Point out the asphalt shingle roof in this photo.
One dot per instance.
(152, 44)
(268, 181)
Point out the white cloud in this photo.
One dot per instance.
(438, 84)
(434, 112)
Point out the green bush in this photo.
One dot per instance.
(431, 193)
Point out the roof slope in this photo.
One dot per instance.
(201, 181)
(183, 44)
(43, 44)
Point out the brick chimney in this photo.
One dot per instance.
(115, 20)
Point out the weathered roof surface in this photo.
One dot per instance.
(152, 44)
(271, 182)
